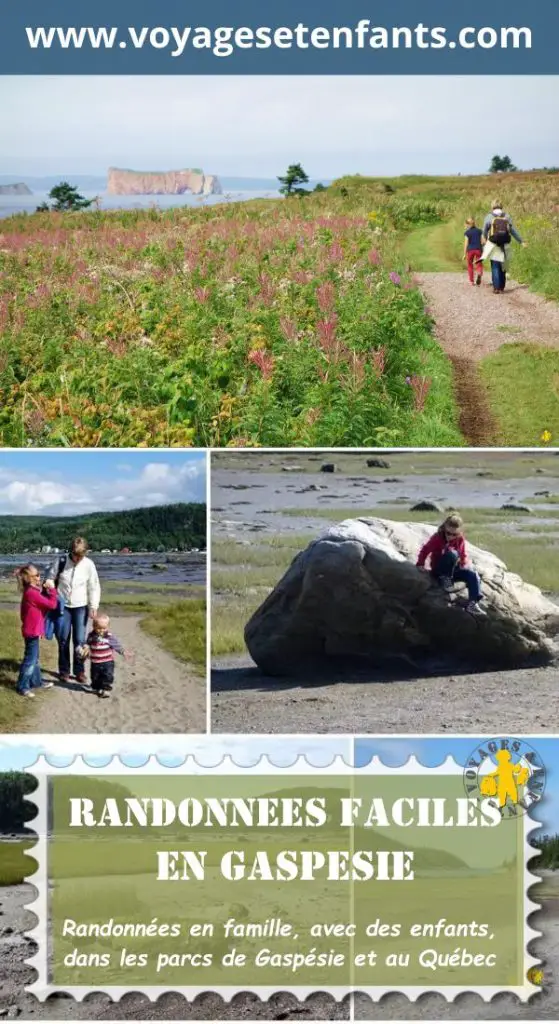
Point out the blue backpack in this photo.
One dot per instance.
(53, 617)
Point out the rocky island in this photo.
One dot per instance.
(123, 182)
(19, 189)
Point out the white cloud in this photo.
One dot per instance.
(27, 497)
(157, 483)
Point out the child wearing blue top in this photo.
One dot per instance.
(472, 251)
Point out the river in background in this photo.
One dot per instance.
(152, 568)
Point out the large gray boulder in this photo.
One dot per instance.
(357, 592)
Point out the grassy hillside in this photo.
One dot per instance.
(268, 323)
(181, 526)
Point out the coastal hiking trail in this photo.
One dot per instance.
(495, 343)
(153, 692)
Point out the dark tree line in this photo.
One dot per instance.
(548, 848)
(163, 527)
(15, 812)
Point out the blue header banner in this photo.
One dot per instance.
(403, 37)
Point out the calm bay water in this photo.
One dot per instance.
(185, 569)
(28, 204)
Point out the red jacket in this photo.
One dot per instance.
(34, 604)
(436, 547)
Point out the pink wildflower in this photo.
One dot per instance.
(325, 296)
(421, 386)
(335, 253)
(264, 361)
(267, 290)
(288, 328)
(326, 330)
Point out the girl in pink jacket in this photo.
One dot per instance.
(34, 604)
(446, 550)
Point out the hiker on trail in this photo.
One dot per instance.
(449, 561)
(472, 251)
(76, 580)
(100, 647)
(35, 602)
(498, 231)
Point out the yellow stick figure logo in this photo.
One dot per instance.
(504, 783)
(507, 771)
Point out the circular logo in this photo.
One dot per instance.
(508, 772)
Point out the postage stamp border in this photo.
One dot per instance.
(43, 769)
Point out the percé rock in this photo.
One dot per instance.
(19, 189)
(356, 592)
(161, 183)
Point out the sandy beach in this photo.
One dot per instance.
(15, 974)
(153, 692)
(245, 700)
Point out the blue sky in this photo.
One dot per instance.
(237, 125)
(432, 751)
(209, 750)
(246, 750)
(72, 482)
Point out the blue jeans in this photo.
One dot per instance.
(30, 672)
(498, 275)
(448, 566)
(70, 627)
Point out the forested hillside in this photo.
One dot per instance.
(181, 526)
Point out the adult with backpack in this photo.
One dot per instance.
(77, 583)
(498, 232)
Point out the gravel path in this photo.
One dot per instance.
(154, 692)
(246, 701)
(471, 323)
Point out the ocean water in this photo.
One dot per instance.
(10, 205)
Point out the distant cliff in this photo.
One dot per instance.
(161, 183)
(19, 189)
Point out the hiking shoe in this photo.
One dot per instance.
(64, 677)
(478, 279)
(446, 583)
(45, 686)
(474, 608)
(82, 678)
(26, 693)
(104, 694)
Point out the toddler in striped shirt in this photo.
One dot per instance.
(100, 648)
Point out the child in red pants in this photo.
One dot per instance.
(472, 251)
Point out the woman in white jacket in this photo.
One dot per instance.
(77, 582)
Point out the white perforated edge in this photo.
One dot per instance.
(41, 988)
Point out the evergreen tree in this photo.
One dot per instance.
(292, 179)
(65, 197)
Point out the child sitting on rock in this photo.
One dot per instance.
(447, 551)
(99, 648)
